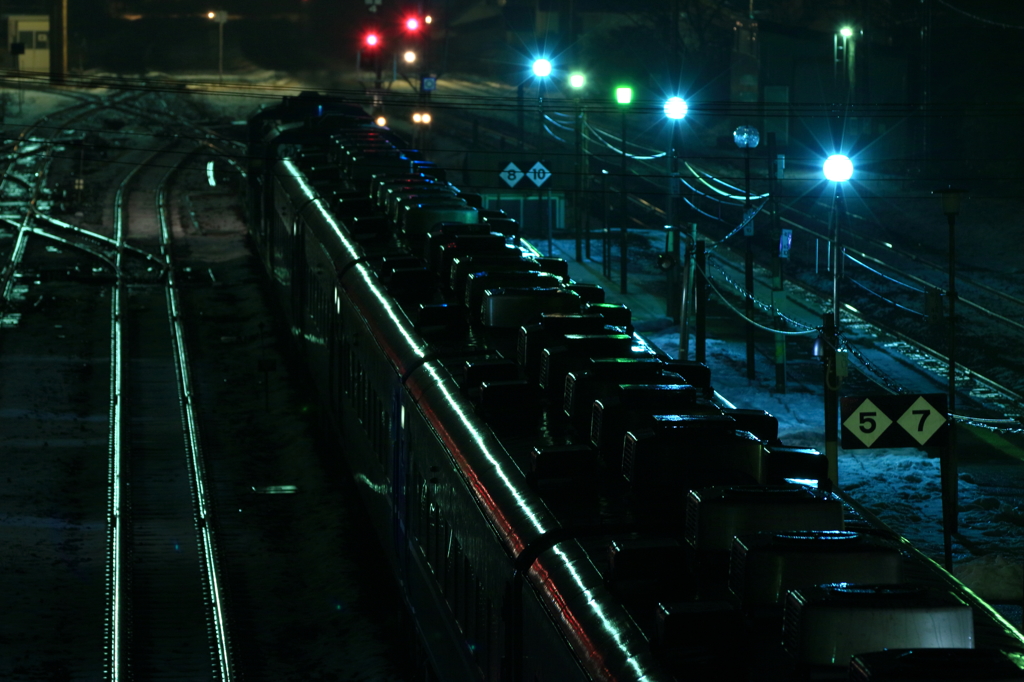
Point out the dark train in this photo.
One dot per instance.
(559, 499)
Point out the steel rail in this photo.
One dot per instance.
(197, 467)
(118, 514)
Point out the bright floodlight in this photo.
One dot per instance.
(624, 95)
(838, 168)
(676, 107)
(577, 80)
(846, 32)
(542, 68)
(381, 121)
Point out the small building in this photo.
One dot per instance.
(32, 32)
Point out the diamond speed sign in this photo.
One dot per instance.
(894, 421)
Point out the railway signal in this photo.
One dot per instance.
(372, 46)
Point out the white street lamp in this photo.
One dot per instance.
(838, 169)
(221, 17)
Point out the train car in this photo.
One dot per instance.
(558, 498)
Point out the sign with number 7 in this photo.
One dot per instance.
(894, 421)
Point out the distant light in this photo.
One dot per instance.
(838, 168)
(624, 95)
(210, 15)
(210, 177)
(417, 117)
(676, 108)
(381, 121)
(409, 57)
(542, 68)
(425, 118)
(746, 137)
(577, 80)
(412, 23)
(846, 32)
(428, 19)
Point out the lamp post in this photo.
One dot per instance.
(623, 96)
(577, 81)
(838, 169)
(746, 138)
(951, 207)
(221, 17)
(542, 70)
(842, 61)
(675, 109)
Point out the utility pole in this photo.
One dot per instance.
(58, 41)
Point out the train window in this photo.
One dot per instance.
(42, 40)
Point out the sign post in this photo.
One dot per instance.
(907, 421)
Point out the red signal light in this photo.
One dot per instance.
(412, 24)
(372, 40)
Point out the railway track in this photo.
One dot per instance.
(165, 598)
(109, 501)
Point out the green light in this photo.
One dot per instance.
(846, 32)
(577, 80)
(623, 95)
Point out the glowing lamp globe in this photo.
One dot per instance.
(676, 108)
(838, 168)
(542, 68)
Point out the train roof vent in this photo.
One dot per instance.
(783, 462)
(663, 465)
(398, 198)
(467, 245)
(479, 282)
(556, 266)
(766, 565)
(947, 665)
(572, 462)
(696, 627)
(429, 168)
(827, 625)
(509, 402)
(615, 313)
(646, 564)
(599, 378)
(534, 338)
(510, 308)
(759, 422)
(628, 406)
(572, 351)
(441, 319)
(380, 185)
(421, 219)
(489, 369)
(413, 285)
(445, 233)
(460, 267)
(507, 226)
(590, 293)
(371, 227)
(715, 515)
